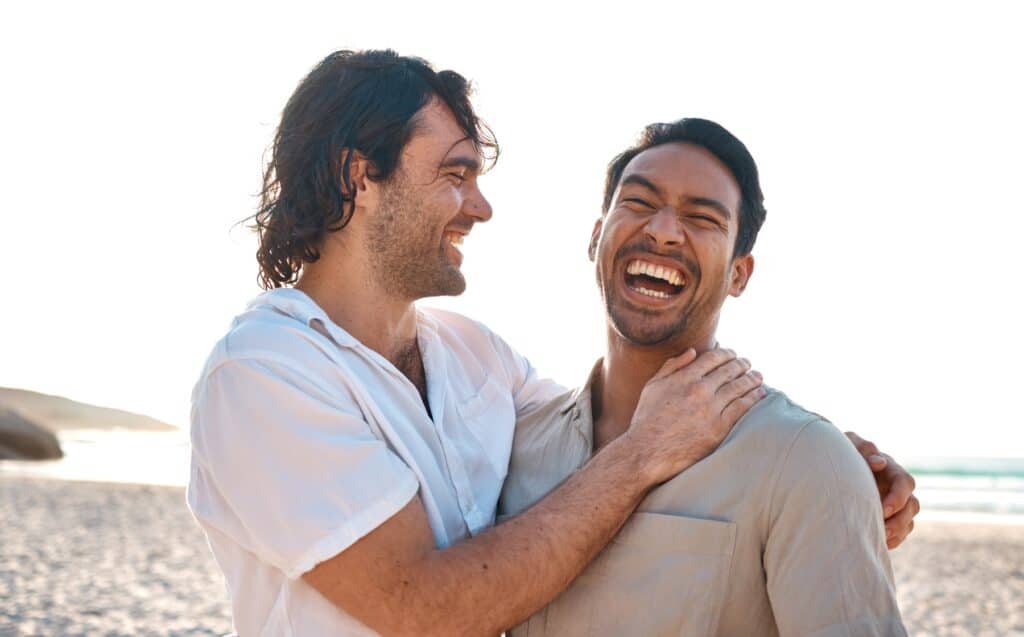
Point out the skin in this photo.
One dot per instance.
(394, 579)
(677, 205)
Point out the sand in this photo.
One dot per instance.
(962, 579)
(80, 558)
(107, 559)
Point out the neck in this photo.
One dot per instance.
(384, 324)
(627, 368)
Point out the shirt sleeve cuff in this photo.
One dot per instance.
(355, 528)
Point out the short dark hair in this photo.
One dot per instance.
(362, 101)
(719, 142)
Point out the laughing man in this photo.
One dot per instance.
(778, 531)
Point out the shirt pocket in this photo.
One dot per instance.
(662, 575)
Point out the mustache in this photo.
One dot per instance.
(638, 250)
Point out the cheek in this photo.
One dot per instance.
(714, 255)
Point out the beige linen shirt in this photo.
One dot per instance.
(778, 532)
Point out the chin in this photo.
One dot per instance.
(449, 283)
(644, 331)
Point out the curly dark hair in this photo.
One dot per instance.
(714, 138)
(363, 101)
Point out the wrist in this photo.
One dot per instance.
(633, 459)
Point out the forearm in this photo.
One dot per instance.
(396, 581)
(497, 579)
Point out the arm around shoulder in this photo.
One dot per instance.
(825, 556)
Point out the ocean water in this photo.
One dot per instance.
(989, 487)
(141, 457)
(970, 485)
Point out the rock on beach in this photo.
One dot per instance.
(22, 439)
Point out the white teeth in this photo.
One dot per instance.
(455, 238)
(671, 275)
(654, 293)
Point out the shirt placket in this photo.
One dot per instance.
(437, 393)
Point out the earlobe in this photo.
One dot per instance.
(742, 269)
(355, 163)
(594, 237)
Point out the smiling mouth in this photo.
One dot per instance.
(450, 244)
(654, 280)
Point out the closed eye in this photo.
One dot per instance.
(637, 201)
(707, 219)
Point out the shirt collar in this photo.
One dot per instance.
(298, 305)
(580, 409)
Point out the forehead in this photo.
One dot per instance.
(686, 170)
(437, 135)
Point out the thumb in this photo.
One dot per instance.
(676, 363)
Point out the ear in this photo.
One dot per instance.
(358, 165)
(742, 269)
(594, 237)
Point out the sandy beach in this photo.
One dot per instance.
(79, 558)
(85, 558)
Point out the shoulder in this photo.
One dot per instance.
(549, 420)
(546, 449)
(810, 453)
(457, 329)
(773, 424)
(264, 340)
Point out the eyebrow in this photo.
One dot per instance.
(706, 202)
(468, 163)
(644, 182)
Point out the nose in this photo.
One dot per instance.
(664, 229)
(478, 207)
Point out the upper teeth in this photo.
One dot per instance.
(454, 238)
(672, 275)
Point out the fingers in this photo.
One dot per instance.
(899, 526)
(726, 372)
(866, 448)
(738, 407)
(901, 488)
(676, 363)
(738, 387)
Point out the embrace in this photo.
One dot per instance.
(363, 466)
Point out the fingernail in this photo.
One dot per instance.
(889, 534)
(888, 510)
(876, 458)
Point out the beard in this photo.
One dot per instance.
(647, 327)
(406, 254)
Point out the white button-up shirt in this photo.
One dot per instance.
(304, 440)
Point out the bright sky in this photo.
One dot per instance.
(886, 294)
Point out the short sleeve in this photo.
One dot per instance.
(826, 560)
(286, 470)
